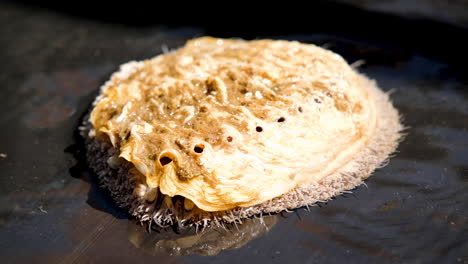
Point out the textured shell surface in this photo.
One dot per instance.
(231, 123)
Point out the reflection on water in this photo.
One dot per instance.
(208, 242)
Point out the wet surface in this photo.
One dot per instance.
(414, 210)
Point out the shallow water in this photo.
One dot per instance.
(414, 210)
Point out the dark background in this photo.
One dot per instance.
(55, 56)
(431, 31)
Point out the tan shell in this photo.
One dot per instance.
(233, 123)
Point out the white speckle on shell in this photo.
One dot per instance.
(258, 95)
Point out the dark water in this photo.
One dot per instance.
(414, 210)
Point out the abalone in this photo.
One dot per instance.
(223, 129)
